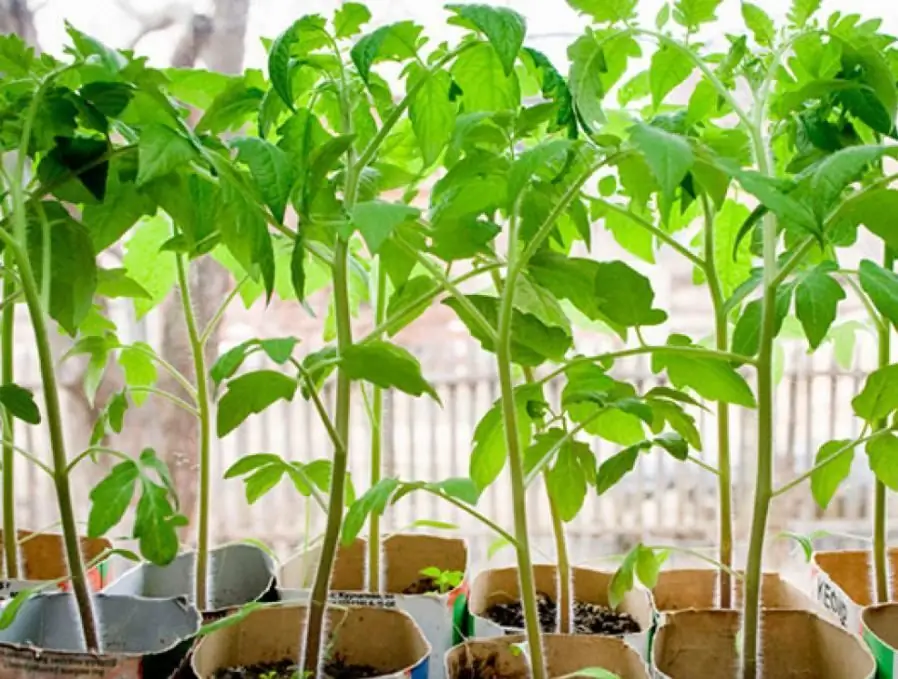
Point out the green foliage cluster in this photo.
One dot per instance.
(759, 158)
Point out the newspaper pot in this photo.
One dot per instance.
(565, 654)
(697, 588)
(388, 640)
(42, 559)
(794, 645)
(138, 637)
(881, 634)
(842, 583)
(238, 574)
(442, 617)
(501, 586)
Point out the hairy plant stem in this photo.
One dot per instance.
(53, 414)
(7, 376)
(377, 414)
(315, 621)
(204, 412)
(880, 513)
(724, 477)
(516, 461)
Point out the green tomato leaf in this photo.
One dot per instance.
(161, 150)
(710, 378)
(622, 580)
(882, 452)
(433, 113)
(566, 480)
(802, 11)
(612, 470)
(759, 23)
(156, 523)
(874, 210)
(503, 27)
(648, 564)
(374, 501)
(115, 283)
(669, 156)
(838, 170)
(19, 402)
(489, 447)
(670, 68)
(350, 18)
(272, 171)
(817, 298)
(606, 11)
(279, 63)
(139, 369)
(395, 42)
(386, 365)
(692, 14)
(879, 397)
(233, 107)
(881, 286)
(406, 301)
(826, 480)
(110, 499)
(747, 334)
(251, 393)
(376, 220)
(480, 74)
(625, 296)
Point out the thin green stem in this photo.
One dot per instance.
(660, 234)
(852, 283)
(377, 414)
(167, 367)
(801, 478)
(205, 435)
(7, 376)
(513, 446)
(724, 473)
(329, 426)
(168, 396)
(699, 462)
(28, 456)
(696, 352)
(880, 501)
(53, 412)
(394, 323)
(220, 312)
(89, 452)
(470, 511)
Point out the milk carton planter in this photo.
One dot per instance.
(841, 583)
(493, 590)
(880, 625)
(795, 644)
(566, 654)
(239, 574)
(698, 588)
(137, 636)
(268, 639)
(442, 616)
(42, 559)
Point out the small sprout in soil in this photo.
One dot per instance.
(436, 581)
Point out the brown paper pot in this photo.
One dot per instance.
(842, 583)
(388, 640)
(881, 634)
(442, 617)
(42, 558)
(44, 640)
(565, 655)
(795, 645)
(500, 585)
(682, 589)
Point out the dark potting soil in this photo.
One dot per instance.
(588, 618)
(422, 586)
(337, 668)
(480, 668)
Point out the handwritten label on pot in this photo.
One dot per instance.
(23, 663)
(363, 599)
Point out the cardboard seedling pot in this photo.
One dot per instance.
(684, 589)
(388, 640)
(881, 634)
(842, 583)
(42, 559)
(137, 636)
(238, 575)
(794, 645)
(443, 618)
(500, 585)
(565, 654)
